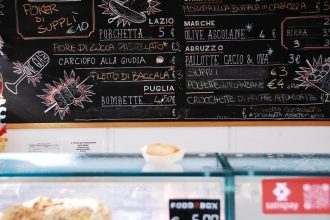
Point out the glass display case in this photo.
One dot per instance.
(280, 186)
(247, 186)
(125, 183)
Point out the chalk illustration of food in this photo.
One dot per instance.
(316, 75)
(319, 72)
(129, 11)
(66, 93)
(320, 77)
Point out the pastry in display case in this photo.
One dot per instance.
(43, 208)
(162, 153)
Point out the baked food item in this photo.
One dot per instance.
(159, 149)
(43, 208)
(162, 153)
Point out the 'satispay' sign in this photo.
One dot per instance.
(300, 196)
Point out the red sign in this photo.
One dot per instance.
(296, 196)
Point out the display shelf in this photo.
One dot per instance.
(279, 164)
(106, 165)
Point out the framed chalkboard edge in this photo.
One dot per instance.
(168, 124)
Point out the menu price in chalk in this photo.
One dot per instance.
(194, 209)
(306, 32)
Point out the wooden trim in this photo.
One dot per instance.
(168, 124)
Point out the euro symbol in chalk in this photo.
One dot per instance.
(31, 68)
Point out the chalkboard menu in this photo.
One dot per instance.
(165, 60)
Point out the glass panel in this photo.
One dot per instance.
(106, 165)
(249, 200)
(280, 164)
(138, 198)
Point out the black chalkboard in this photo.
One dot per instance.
(165, 60)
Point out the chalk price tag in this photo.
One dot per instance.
(194, 209)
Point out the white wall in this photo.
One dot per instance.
(192, 139)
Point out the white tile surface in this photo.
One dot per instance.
(280, 139)
(54, 140)
(110, 140)
(192, 139)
